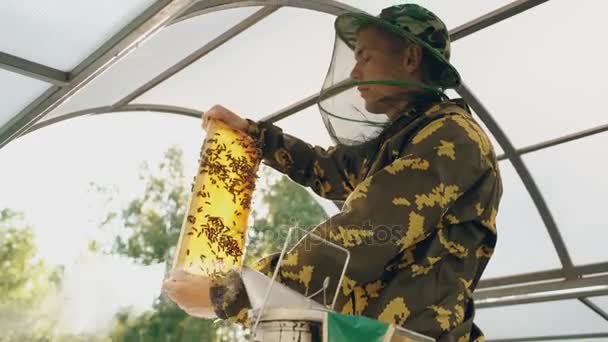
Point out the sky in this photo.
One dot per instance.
(47, 176)
(521, 69)
(52, 184)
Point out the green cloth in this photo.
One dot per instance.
(354, 328)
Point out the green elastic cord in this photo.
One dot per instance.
(430, 88)
(436, 90)
(368, 123)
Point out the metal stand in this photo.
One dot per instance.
(288, 315)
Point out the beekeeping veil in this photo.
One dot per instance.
(340, 102)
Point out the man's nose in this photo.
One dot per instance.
(355, 74)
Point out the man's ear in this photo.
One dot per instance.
(413, 58)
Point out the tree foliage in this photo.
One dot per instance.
(25, 282)
(153, 223)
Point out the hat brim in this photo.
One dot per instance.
(347, 25)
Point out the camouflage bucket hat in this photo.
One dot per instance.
(414, 23)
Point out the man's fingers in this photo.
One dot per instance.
(207, 312)
(170, 286)
(215, 112)
(190, 293)
(180, 274)
(221, 113)
(177, 281)
(175, 291)
(184, 307)
(208, 114)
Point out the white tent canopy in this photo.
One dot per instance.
(533, 73)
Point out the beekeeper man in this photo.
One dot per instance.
(418, 177)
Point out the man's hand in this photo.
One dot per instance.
(190, 293)
(229, 118)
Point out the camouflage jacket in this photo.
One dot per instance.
(419, 220)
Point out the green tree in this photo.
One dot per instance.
(25, 282)
(288, 204)
(152, 225)
(153, 222)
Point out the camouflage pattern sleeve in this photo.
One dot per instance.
(399, 206)
(330, 173)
